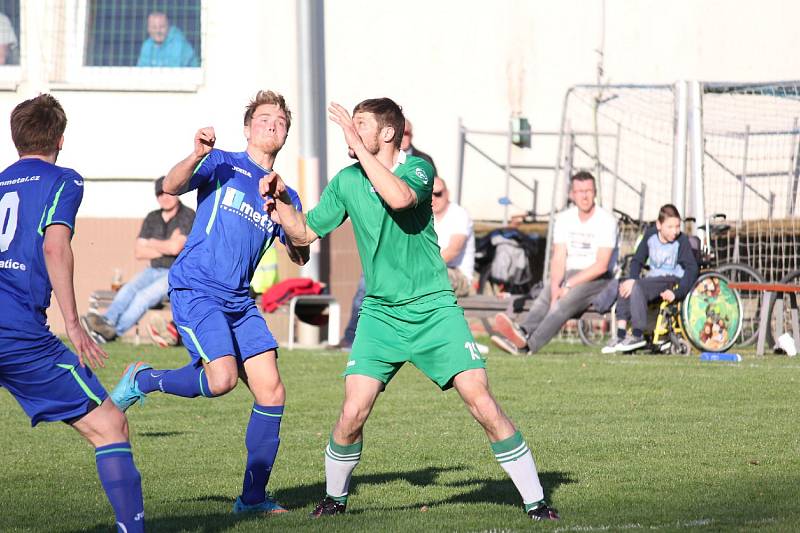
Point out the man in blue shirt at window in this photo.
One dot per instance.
(167, 46)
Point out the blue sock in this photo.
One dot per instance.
(189, 381)
(123, 485)
(637, 333)
(262, 446)
(620, 333)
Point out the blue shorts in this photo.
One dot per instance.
(212, 327)
(46, 378)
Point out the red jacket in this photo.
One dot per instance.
(285, 290)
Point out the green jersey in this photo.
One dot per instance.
(399, 252)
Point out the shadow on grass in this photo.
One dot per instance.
(296, 498)
(502, 491)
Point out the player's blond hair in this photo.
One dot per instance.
(267, 97)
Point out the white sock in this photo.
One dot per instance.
(340, 461)
(516, 459)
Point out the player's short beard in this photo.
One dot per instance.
(271, 146)
(374, 148)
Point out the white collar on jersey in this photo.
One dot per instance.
(401, 158)
(266, 170)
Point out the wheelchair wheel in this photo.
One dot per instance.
(678, 345)
(751, 300)
(595, 329)
(711, 314)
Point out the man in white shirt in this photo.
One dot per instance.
(584, 242)
(456, 240)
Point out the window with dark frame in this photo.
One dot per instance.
(117, 33)
(9, 32)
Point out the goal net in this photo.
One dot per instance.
(624, 136)
(751, 169)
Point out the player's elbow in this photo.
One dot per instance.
(402, 202)
(53, 249)
(170, 186)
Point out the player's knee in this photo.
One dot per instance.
(222, 382)
(480, 401)
(270, 394)
(353, 415)
(105, 425)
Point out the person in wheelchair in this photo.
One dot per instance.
(673, 270)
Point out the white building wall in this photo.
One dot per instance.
(440, 60)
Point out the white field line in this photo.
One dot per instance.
(700, 522)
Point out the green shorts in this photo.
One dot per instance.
(432, 334)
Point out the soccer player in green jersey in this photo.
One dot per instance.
(409, 311)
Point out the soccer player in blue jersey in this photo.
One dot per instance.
(219, 322)
(38, 204)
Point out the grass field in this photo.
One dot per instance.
(621, 442)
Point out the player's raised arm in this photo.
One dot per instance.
(394, 191)
(279, 204)
(60, 265)
(178, 176)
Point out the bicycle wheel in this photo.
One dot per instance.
(779, 312)
(595, 329)
(751, 300)
(711, 314)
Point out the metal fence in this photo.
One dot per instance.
(709, 148)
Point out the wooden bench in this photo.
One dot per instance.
(767, 290)
(484, 307)
(100, 299)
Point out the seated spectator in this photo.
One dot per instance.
(407, 146)
(161, 239)
(167, 46)
(8, 42)
(584, 242)
(456, 240)
(671, 261)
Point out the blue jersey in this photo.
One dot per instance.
(231, 229)
(33, 195)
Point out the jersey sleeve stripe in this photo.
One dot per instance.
(51, 211)
(200, 164)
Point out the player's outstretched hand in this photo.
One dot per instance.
(270, 187)
(86, 348)
(204, 141)
(340, 116)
